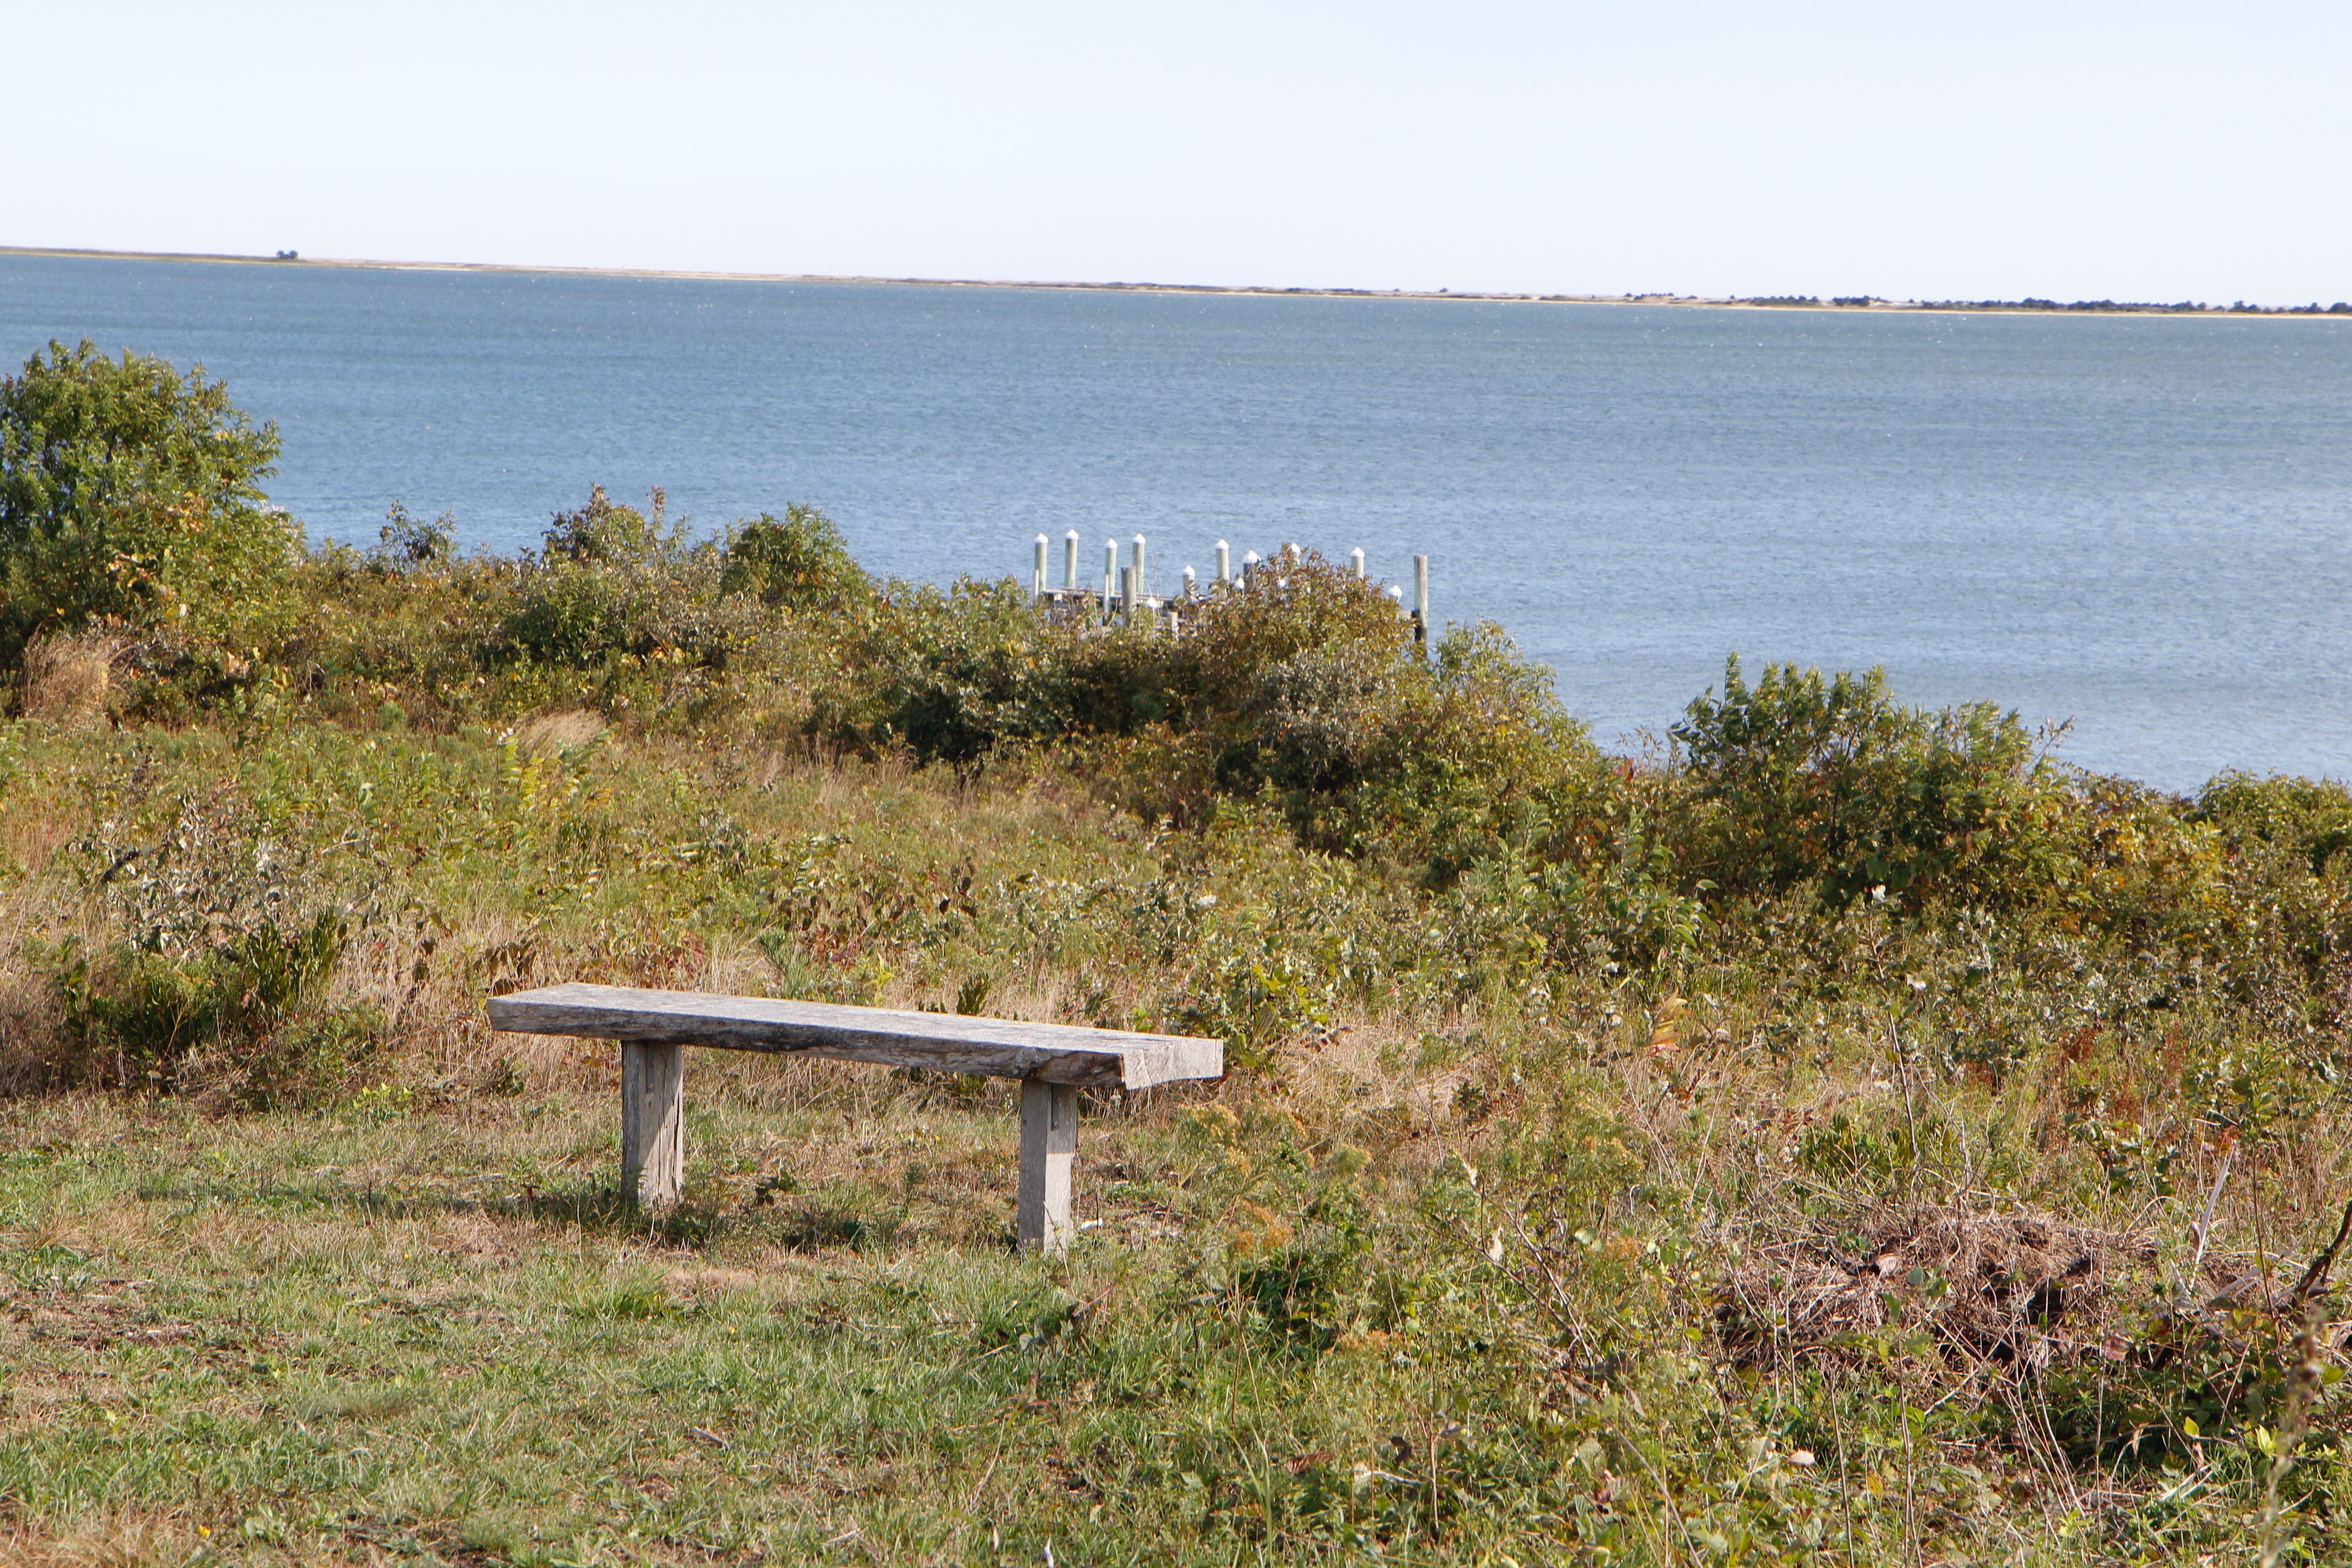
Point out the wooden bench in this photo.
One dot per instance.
(1052, 1061)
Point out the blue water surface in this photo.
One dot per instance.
(2143, 525)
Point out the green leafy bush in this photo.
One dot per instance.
(1803, 779)
(129, 492)
(798, 563)
(408, 544)
(2286, 919)
(1301, 604)
(950, 675)
(2307, 820)
(613, 583)
(606, 533)
(139, 1016)
(1473, 754)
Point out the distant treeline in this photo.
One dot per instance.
(2139, 307)
(2184, 307)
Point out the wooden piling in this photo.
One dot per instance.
(1421, 600)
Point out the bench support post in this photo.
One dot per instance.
(1049, 1144)
(652, 1122)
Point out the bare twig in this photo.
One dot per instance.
(2315, 1278)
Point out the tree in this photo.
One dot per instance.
(129, 492)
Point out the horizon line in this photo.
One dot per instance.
(1870, 303)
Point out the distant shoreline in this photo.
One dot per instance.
(1852, 305)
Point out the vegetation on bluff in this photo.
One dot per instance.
(1848, 1135)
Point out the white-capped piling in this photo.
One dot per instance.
(1421, 600)
(1127, 586)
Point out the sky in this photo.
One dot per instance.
(2147, 151)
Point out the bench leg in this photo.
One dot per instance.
(653, 1123)
(1049, 1144)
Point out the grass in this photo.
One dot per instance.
(437, 1335)
(352, 1336)
(432, 1335)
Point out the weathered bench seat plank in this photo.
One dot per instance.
(998, 1047)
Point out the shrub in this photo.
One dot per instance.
(2308, 820)
(606, 533)
(799, 563)
(2291, 877)
(138, 1016)
(1803, 779)
(2135, 864)
(613, 583)
(1475, 753)
(129, 492)
(405, 542)
(310, 1058)
(1299, 604)
(951, 675)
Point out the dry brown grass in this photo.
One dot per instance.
(111, 1540)
(562, 730)
(69, 678)
(34, 911)
(2016, 1287)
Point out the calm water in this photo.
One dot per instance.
(2141, 525)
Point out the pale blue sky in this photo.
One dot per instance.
(2144, 150)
